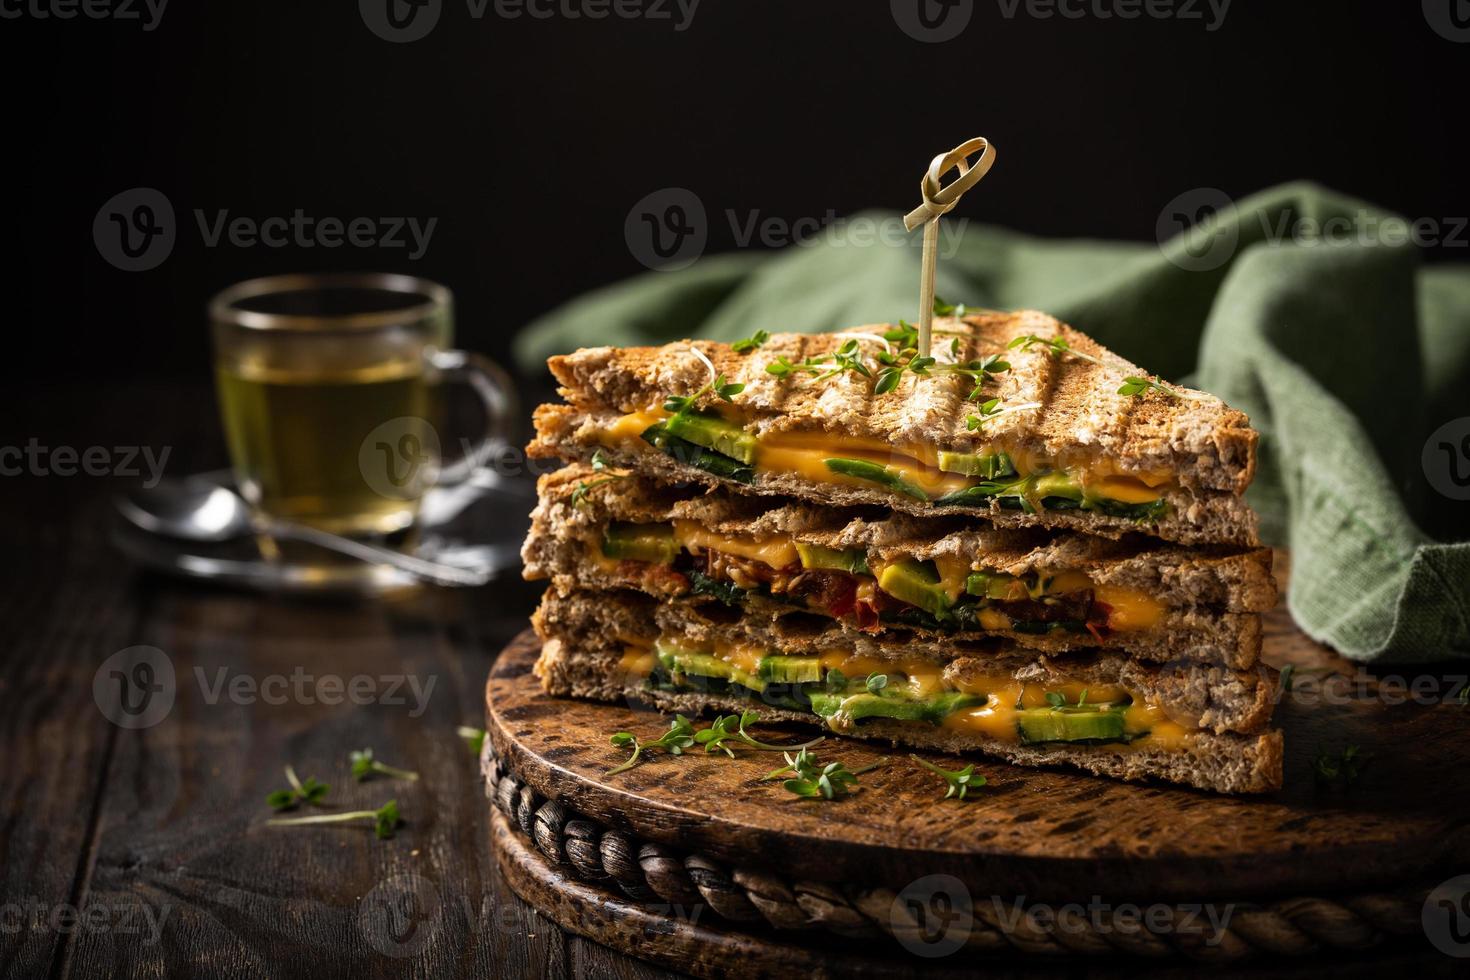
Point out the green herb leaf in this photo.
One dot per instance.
(876, 683)
(1137, 386)
(750, 343)
(941, 308)
(1341, 768)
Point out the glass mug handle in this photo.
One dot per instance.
(497, 397)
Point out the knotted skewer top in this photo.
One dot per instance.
(938, 201)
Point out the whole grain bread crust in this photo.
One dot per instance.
(1196, 436)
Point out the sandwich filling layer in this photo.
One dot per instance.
(865, 589)
(847, 689)
(722, 445)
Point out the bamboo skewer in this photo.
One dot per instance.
(938, 201)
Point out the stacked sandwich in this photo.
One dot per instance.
(1022, 546)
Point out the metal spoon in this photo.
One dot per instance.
(202, 511)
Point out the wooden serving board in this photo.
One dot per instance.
(1049, 835)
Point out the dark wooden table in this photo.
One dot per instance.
(157, 835)
(144, 852)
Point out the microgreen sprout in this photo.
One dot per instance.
(731, 728)
(302, 791)
(473, 737)
(959, 781)
(1342, 768)
(1137, 386)
(811, 779)
(679, 737)
(364, 766)
(599, 465)
(750, 343)
(385, 819)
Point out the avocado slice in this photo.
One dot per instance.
(988, 465)
(713, 432)
(697, 456)
(865, 705)
(1056, 485)
(916, 583)
(853, 560)
(697, 664)
(640, 542)
(1060, 725)
(791, 670)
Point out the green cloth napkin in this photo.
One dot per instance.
(1346, 351)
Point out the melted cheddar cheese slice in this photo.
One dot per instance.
(805, 454)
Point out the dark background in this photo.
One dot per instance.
(530, 139)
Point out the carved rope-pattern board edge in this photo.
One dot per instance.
(653, 873)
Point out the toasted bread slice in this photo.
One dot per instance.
(1196, 604)
(1076, 451)
(1208, 727)
(1188, 517)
